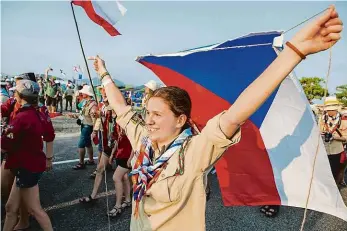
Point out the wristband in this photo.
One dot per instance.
(107, 81)
(103, 75)
(296, 50)
(49, 158)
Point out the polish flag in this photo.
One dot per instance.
(105, 14)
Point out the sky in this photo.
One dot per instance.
(35, 34)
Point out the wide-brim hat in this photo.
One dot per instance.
(87, 90)
(152, 85)
(332, 104)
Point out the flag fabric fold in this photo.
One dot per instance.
(105, 14)
(272, 164)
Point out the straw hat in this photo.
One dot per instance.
(152, 85)
(331, 104)
(87, 90)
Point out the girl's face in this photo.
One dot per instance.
(85, 96)
(162, 124)
(16, 96)
(332, 113)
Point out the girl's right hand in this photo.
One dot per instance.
(99, 64)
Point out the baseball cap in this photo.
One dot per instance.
(28, 88)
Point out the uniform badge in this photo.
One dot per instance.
(136, 119)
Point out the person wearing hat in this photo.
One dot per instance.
(331, 134)
(87, 118)
(150, 87)
(9, 110)
(23, 141)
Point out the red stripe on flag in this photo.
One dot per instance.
(245, 173)
(89, 9)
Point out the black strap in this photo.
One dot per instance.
(338, 132)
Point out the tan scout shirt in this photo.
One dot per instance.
(334, 147)
(87, 112)
(177, 202)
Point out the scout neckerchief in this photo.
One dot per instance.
(331, 123)
(145, 171)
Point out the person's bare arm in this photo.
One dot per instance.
(114, 95)
(320, 35)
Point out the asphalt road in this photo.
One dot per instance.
(61, 188)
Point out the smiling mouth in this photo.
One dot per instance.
(152, 129)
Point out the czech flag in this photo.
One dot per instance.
(273, 163)
(105, 14)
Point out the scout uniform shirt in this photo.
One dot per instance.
(333, 147)
(88, 113)
(177, 202)
(23, 139)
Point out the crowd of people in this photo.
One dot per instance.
(158, 148)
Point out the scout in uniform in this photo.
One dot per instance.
(22, 140)
(9, 110)
(169, 163)
(86, 120)
(332, 136)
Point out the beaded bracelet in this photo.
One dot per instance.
(103, 75)
(296, 50)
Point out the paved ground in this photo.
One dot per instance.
(60, 189)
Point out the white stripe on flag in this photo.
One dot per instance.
(109, 11)
(121, 8)
(290, 135)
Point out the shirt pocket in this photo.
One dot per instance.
(168, 187)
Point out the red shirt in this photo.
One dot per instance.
(23, 140)
(124, 145)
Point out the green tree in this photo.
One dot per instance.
(313, 88)
(341, 94)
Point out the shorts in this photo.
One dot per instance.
(25, 178)
(51, 101)
(85, 137)
(122, 163)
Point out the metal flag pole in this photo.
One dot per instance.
(96, 100)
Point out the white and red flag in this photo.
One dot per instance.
(104, 13)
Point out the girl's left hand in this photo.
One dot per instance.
(321, 34)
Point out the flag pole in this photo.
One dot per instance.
(84, 56)
(96, 100)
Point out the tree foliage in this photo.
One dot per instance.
(312, 87)
(341, 94)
